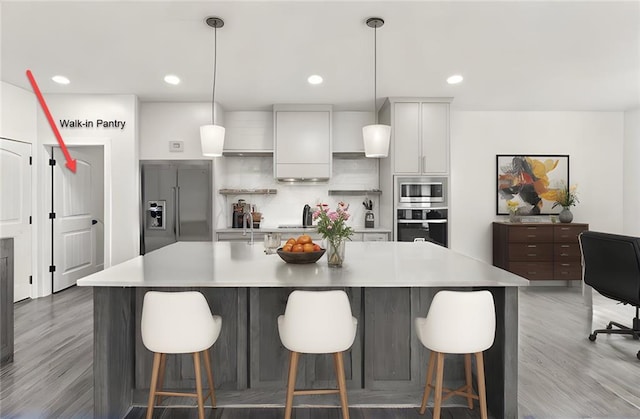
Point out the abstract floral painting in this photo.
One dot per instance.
(531, 181)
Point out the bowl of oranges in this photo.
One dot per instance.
(300, 250)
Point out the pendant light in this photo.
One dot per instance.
(376, 137)
(212, 136)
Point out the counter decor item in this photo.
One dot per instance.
(300, 250)
(300, 257)
(334, 230)
(513, 211)
(566, 197)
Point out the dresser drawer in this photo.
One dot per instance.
(564, 233)
(567, 270)
(566, 252)
(519, 252)
(532, 270)
(530, 234)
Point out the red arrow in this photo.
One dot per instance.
(71, 163)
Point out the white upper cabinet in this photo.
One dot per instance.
(347, 132)
(302, 142)
(420, 137)
(248, 133)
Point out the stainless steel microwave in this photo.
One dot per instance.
(422, 190)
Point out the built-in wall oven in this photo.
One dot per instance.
(421, 209)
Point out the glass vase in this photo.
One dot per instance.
(335, 253)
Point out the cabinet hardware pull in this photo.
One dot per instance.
(531, 235)
(532, 245)
(565, 245)
(564, 254)
(532, 228)
(532, 273)
(565, 264)
(564, 228)
(531, 254)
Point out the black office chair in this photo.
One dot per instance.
(612, 267)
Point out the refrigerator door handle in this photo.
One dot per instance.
(177, 211)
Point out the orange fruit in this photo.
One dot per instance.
(297, 248)
(291, 241)
(316, 247)
(307, 247)
(286, 248)
(304, 239)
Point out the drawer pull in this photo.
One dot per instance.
(565, 245)
(532, 245)
(532, 272)
(532, 228)
(532, 235)
(532, 254)
(565, 264)
(564, 254)
(564, 228)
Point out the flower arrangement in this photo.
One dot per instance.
(566, 196)
(512, 206)
(332, 227)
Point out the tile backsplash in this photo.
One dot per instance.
(285, 207)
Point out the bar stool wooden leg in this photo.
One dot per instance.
(437, 405)
(342, 383)
(291, 384)
(196, 366)
(154, 384)
(207, 364)
(427, 385)
(467, 373)
(163, 360)
(482, 393)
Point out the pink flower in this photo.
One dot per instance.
(316, 214)
(345, 216)
(333, 215)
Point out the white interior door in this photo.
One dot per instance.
(77, 199)
(15, 210)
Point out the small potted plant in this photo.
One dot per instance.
(566, 197)
(512, 207)
(333, 228)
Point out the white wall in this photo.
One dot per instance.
(164, 122)
(631, 197)
(122, 179)
(593, 140)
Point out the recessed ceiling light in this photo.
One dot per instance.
(315, 79)
(60, 79)
(455, 79)
(172, 79)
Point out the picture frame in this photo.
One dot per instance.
(531, 181)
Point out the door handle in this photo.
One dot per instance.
(177, 212)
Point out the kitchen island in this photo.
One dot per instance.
(388, 283)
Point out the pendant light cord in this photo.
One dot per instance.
(375, 72)
(215, 65)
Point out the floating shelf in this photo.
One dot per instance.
(248, 191)
(355, 192)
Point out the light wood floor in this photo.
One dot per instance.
(561, 373)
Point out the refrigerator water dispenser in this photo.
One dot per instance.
(156, 215)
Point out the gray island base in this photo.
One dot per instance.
(388, 283)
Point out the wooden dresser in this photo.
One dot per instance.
(538, 250)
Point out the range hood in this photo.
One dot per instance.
(302, 143)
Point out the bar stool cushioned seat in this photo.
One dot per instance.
(178, 323)
(316, 322)
(458, 322)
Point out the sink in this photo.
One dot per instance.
(293, 226)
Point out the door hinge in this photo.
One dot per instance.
(52, 215)
(52, 162)
(30, 279)
(30, 160)
(30, 219)
(52, 268)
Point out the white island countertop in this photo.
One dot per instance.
(367, 264)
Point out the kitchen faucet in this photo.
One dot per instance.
(247, 218)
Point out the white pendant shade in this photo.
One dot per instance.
(376, 140)
(212, 138)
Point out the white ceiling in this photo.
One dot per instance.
(514, 55)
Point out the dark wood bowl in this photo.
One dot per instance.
(300, 257)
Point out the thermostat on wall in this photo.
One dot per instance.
(176, 146)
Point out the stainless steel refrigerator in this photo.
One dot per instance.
(176, 202)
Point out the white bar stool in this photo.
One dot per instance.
(178, 323)
(458, 322)
(317, 322)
